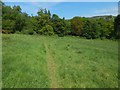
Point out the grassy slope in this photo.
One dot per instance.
(74, 62)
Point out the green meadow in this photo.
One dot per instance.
(34, 61)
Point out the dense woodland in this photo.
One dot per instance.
(45, 23)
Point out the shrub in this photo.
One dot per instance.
(46, 30)
(17, 32)
(7, 31)
(30, 32)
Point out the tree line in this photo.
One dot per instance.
(45, 23)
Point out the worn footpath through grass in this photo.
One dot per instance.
(51, 66)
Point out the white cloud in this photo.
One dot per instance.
(45, 5)
(107, 11)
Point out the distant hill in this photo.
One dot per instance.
(106, 17)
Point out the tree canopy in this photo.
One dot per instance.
(45, 23)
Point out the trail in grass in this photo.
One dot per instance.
(51, 68)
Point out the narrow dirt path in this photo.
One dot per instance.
(51, 68)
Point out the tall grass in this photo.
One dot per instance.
(80, 63)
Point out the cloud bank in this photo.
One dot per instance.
(107, 11)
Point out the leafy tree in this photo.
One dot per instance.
(105, 28)
(67, 25)
(45, 11)
(49, 13)
(60, 26)
(19, 23)
(55, 17)
(6, 12)
(91, 29)
(17, 9)
(8, 24)
(86, 31)
(41, 20)
(95, 31)
(14, 17)
(76, 25)
(28, 22)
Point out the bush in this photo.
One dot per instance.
(8, 25)
(17, 32)
(7, 31)
(30, 32)
(46, 30)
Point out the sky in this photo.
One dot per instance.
(69, 9)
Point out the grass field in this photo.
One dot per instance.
(31, 61)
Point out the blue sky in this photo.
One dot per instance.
(70, 9)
